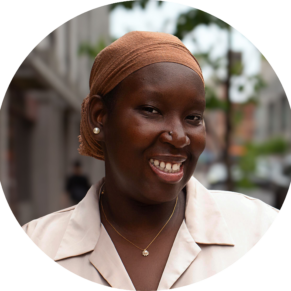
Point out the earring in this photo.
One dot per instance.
(96, 130)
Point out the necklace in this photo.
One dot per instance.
(145, 252)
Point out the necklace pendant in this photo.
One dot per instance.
(145, 253)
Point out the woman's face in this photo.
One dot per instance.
(155, 132)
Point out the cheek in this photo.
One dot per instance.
(128, 135)
(198, 141)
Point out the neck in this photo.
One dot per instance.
(132, 216)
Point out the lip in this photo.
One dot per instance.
(168, 177)
(170, 158)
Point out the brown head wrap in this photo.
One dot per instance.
(126, 55)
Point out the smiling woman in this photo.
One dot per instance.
(145, 112)
(148, 224)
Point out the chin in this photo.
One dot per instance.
(160, 192)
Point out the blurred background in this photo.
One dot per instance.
(248, 116)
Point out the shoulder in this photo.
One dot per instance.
(240, 210)
(53, 222)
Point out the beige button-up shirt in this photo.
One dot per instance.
(218, 229)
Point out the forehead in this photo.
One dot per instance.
(163, 77)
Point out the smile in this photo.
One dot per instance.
(167, 171)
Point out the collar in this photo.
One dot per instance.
(203, 219)
(84, 226)
(203, 224)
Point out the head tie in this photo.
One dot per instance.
(126, 55)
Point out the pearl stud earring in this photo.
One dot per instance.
(96, 130)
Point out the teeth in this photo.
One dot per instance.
(166, 167)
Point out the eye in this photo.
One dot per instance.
(150, 110)
(195, 117)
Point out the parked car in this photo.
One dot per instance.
(272, 173)
(217, 175)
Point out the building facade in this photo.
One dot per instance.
(273, 117)
(40, 118)
(273, 120)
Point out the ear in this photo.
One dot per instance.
(97, 115)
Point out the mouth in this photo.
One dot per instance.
(171, 172)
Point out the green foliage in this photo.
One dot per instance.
(244, 183)
(241, 88)
(252, 100)
(247, 163)
(191, 19)
(90, 50)
(187, 22)
(212, 100)
(238, 116)
(258, 83)
(273, 146)
(236, 68)
(130, 4)
(204, 58)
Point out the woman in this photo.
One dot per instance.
(148, 224)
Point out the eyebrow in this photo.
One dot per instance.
(152, 96)
(150, 92)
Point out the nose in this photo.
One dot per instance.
(175, 136)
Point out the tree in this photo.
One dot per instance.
(247, 164)
(131, 4)
(187, 23)
(91, 50)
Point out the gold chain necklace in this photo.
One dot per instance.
(145, 252)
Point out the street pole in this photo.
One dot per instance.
(228, 114)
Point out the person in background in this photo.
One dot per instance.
(77, 185)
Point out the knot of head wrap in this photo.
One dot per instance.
(126, 55)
